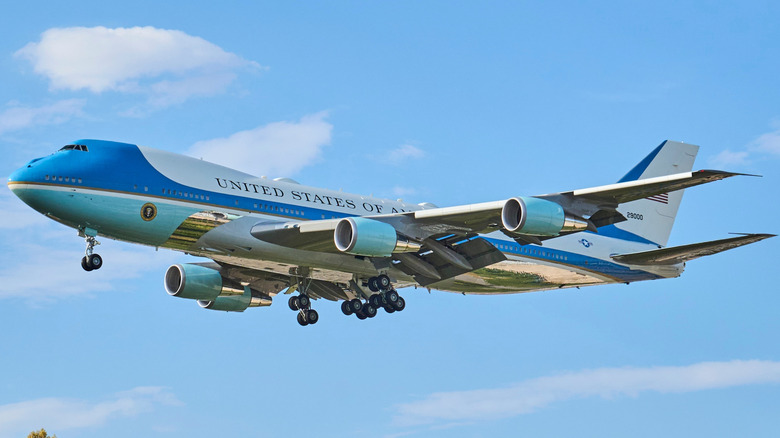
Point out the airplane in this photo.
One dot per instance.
(266, 237)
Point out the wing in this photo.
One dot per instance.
(446, 240)
(593, 207)
(684, 253)
(589, 202)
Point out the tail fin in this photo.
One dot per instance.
(652, 218)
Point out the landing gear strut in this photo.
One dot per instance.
(386, 297)
(91, 261)
(302, 304)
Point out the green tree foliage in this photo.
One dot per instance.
(40, 434)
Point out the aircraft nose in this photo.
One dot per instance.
(19, 177)
(15, 177)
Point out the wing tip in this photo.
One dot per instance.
(759, 236)
(727, 174)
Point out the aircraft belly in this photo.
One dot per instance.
(233, 244)
(518, 276)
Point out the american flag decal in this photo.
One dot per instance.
(663, 198)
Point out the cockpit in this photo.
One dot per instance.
(75, 147)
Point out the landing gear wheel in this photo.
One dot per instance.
(391, 297)
(95, 261)
(355, 304)
(303, 302)
(400, 304)
(375, 300)
(369, 311)
(84, 264)
(373, 284)
(383, 281)
(389, 308)
(293, 302)
(346, 308)
(301, 320)
(360, 315)
(312, 316)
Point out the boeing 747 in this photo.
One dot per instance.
(266, 237)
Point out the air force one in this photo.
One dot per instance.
(270, 236)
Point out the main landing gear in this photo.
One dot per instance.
(91, 261)
(385, 297)
(302, 304)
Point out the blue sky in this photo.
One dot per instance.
(447, 102)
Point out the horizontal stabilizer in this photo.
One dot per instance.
(680, 254)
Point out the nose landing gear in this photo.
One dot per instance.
(91, 261)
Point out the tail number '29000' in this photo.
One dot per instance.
(636, 216)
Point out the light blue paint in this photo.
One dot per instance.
(543, 218)
(373, 238)
(199, 282)
(112, 216)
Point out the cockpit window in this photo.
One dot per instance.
(75, 147)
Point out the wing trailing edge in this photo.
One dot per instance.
(680, 254)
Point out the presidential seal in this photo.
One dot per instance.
(148, 211)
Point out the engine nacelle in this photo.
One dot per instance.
(210, 289)
(538, 217)
(237, 303)
(368, 237)
(198, 282)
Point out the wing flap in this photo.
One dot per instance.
(477, 252)
(679, 254)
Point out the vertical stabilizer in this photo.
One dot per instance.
(652, 218)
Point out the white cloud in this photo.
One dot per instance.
(167, 65)
(31, 241)
(61, 414)
(64, 276)
(728, 158)
(276, 149)
(534, 394)
(404, 191)
(19, 117)
(764, 145)
(769, 143)
(403, 153)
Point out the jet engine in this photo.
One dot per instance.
(538, 217)
(369, 237)
(210, 288)
(237, 303)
